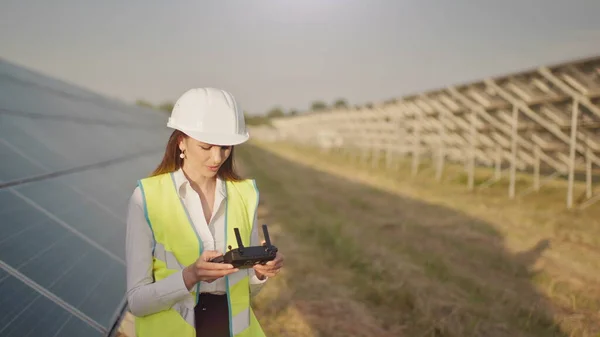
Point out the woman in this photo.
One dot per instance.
(184, 215)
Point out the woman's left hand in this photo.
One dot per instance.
(269, 269)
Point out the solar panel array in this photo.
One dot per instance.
(69, 162)
(545, 121)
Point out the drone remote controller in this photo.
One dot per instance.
(246, 257)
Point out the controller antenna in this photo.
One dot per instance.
(269, 248)
(266, 234)
(238, 237)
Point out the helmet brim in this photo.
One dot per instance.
(217, 139)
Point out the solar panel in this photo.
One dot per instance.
(70, 161)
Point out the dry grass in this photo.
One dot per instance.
(371, 252)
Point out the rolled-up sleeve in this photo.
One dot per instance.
(146, 296)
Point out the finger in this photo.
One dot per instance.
(278, 258)
(269, 272)
(210, 254)
(214, 265)
(214, 273)
(208, 274)
(272, 271)
(263, 266)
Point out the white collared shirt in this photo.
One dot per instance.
(143, 294)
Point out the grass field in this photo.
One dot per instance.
(371, 252)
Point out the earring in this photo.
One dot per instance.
(182, 155)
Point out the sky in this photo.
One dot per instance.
(290, 53)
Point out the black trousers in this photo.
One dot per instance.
(212, 316)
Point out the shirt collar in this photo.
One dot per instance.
(182, 183)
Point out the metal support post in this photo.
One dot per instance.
(416, 143)
(442, 150)
(573, 143)
(513, 152)
(536, 168)
(588, 173)
(498, 166)
(472, 147)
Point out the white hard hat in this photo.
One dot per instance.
(209, 115)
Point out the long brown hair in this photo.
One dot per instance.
(172, 162)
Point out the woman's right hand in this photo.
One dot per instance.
(202, 270)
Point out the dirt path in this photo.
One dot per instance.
(365, 262)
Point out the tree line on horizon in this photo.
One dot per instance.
(275, 112)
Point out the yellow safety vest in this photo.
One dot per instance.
(177, 245)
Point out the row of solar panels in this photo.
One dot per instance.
(69, 162)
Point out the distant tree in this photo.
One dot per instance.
(166, 106)
(318, 106)
(144, 103)
(275, 112)
(340, 103)
(391, 101)
(255, 119)
(293, 112)
(369, 105)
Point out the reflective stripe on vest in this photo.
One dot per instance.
(177, 244)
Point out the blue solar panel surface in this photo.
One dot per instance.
(62, 236)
